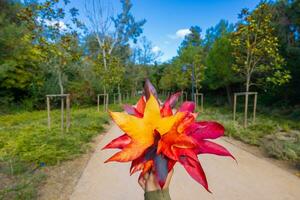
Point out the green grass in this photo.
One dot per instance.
(278, 136)
(26, 144)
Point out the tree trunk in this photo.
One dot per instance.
(61, 99)
(119, 94)
(60, 82)
(104, 58)
(246, 102)
(228, 92)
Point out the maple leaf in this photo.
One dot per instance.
(155, 138)
(141, 130)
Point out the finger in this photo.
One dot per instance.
(142, 182)
(168, 180)
(147, 175)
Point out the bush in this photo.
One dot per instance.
(283, 145)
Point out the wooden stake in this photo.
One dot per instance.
(98, 99)
(202, 102)
(106, 102)
(246, 111)
(234, 107)
(68, 117)
(62, 114)
(254, 108)
(48, 112)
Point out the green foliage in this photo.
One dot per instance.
(190, 55)
(277, 135)
(283, 145)
(218, 72)
(26, 144)
(26, 137)
(256, 48)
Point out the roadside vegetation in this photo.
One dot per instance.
(26, 145)
(277, 135)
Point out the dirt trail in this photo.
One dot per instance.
(252, 178)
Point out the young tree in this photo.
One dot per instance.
(112, 33)
(57, 39)
(255, 48)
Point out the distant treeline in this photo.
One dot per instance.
(46, 49)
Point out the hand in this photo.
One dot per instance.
(149, 183)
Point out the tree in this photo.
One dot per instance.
(143, 52)
(255, 48)
(213, 33)
(218, 72)
(57, 39)
(191, 52)
(19, 57)
(112, 40)
(287, 27)
(219, 61)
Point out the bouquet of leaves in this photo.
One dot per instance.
(156, 138)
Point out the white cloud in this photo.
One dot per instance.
(156, 49)
(62, 26)
(180, 33)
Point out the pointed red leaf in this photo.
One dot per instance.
(172, 100)
(132, 111)
(171, 164)
(149, 89)
(166, 110)
(140, 106)
(205, 130)
(118, 143)
(190, 152)
(195, 170)
(129, 153)
(187, 106)
(209, 147)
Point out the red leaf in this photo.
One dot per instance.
(149, 89)
(161, 169)
(190, 152)
(166, 110)
(172, 100)
(169, 142)
(171, 164)
(187, 106)
(137, 164)
(129, 153)
(209, 147)
(140, 106)
(205, 130)
(132, 111)
(195, 170)
(118, 143)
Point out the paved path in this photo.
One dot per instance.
(251, 179)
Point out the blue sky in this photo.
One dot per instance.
(167, 20)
